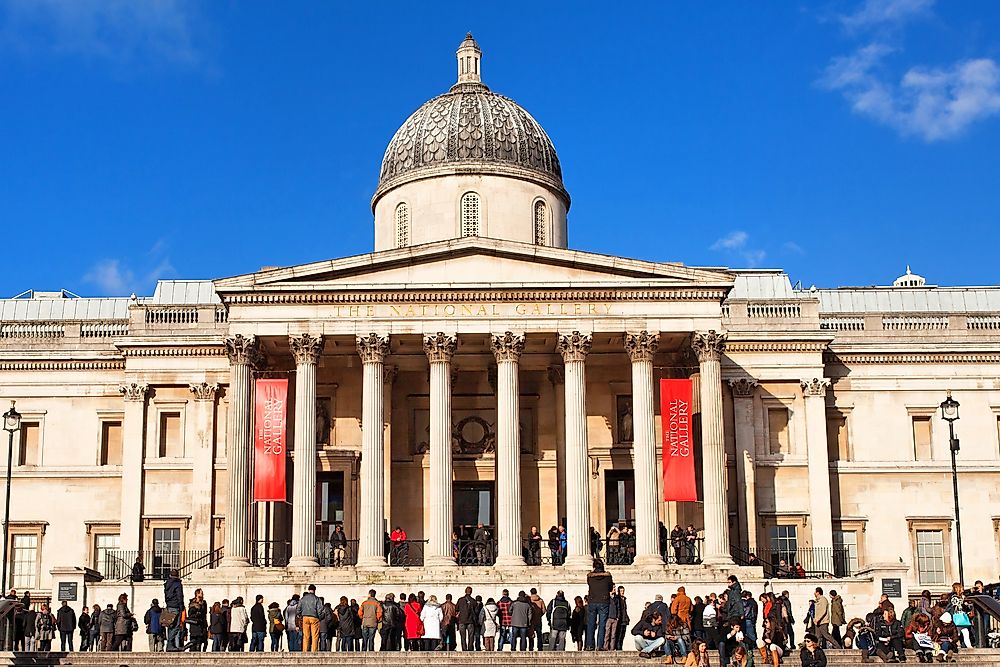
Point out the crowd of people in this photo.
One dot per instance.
(732, 623)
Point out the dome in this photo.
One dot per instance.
(470, 129)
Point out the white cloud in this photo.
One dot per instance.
(877, 13)
(110, 277)
(931, 103)
(117, 30)
(793, 247)
(735, 243)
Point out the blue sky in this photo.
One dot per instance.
(837, 140)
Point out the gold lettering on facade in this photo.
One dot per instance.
(472, 310)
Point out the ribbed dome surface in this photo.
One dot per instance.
(470, 124)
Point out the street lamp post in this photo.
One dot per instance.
(11, 423)
(949, 413)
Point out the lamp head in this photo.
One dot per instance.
(949, 409)
(12, 419)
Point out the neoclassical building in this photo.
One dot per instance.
(475, 370)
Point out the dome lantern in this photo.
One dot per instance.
(469, 56)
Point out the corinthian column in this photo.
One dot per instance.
(373, 350)
(818, 458)
(440, 348)
(709, 347)
(641, 347)
(306, 350)
(746, 502)
(243, 352)
(574, 348)
(507, 349)
(133, 460)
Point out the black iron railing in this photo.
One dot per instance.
(406, 553)
(117, 565)
(541, 552)
(337, 554)
(799, 563)
(683, 552)
(270, 553)
(475, 552)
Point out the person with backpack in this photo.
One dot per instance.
(154, 631)
(275, 625)
(45, 628)
(558, 614)
(173, 599)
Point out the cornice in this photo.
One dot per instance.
(913, 358)
(176, 351)
(528, 296)
(63, 365)
(776, 346)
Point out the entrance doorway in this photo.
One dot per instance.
(619, 498)
(473, 504)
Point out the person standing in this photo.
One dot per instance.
(537, 614)
(154, 632)
(431, 616)
(291, 624)
(489, 623)
(680, 607)
(414, 626)
(258, 625)
(733, 610)
(392, 621)
(216, 627)
(750, 612)
(821, 619)
(197, 623)
(123, 625)
(599, 585)
(578, 623)
(238, 622)
(338, 543)
(558, 614)
(138, 571)
(468, 613)
(504, 605)
(623, 619)
(173, 598)
(66, 622)
(275, 625)
(837, 616)
(611, 626)
(45, 628)
(308, 614)
(520, 621)
(371, 613)
(106, 626)
(84, 624)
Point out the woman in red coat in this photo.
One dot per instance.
(414, 626)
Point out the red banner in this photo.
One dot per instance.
(270, 407)
(678, 449)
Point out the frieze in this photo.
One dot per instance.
(776, 346)
(479, 297)
(904, 358)
(201, 351)
(110, 365)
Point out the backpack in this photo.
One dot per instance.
(560, 612)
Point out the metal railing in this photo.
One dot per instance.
(117, 564)
(406, 553)
(686, 552)
(475, 552)
(542, 552)
(337, 554)
(270, 553)
(799, 563)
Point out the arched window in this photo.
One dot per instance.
(541, 222)
(470, 214)
(402, 225)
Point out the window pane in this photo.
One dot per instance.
(29, 449)
(402, 225)
(170, 435)
(470, 214)
(845, 552)
(104, 547)
(836, 438)
(930, 557)
(784, 544)
(166, 550)
(111, 443)
(541, 222)
(777, 430)
(24, 561)
(922, 438)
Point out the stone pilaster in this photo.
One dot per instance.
(373, 350)
(244, 353)
(818, 458)
(440, 348)
(709, 346)
(507, 349)
(133, 461)
(746, 502)
(640, 348)
(201, 425)
(558, 381)
(306, 349)
(574, 348)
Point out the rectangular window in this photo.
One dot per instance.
(111, 443)
(777, 430)
(784, 545)
(930, 557)
(105, 559)
(24, 561)
(922, 438)
(29, 445)
(845, 552)
(836, 438)
(329, 503)
(170, 445)
(166, 551)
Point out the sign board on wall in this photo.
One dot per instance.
(67, 591)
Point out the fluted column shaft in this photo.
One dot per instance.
(574, 349)
(507, 350)
(373, 350)
(641, 347)
(439, 349)
(243, 353)
(306, 350)
(709, 348)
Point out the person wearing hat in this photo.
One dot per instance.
(946, 635)
(811, 654)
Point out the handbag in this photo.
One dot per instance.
(961, 619)
(167, 618)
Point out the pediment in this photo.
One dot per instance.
(475, 263)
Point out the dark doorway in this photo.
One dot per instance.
(619, 498)
(473, 504)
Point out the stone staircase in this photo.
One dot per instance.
(969, 658)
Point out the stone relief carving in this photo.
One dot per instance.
(243, 350)
(306, 348)
(440, 347)
(815, 386)
(324, 422)
(204, 391)
(575, 346)
(641, 346)
(135, 391)
(373, 348)
(625, 424)
(708, 346)
(743, 387)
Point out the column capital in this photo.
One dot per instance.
(134, 391)
(642, 346)
(556, 374)
(507, 346)
(440, 347)
(243, 349)
(815, 386)
(204, 391)
(574, 346)
(708, 346)
(373, 348)
(306, 348)
(743, 387)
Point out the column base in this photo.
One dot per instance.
(303, 561)
(228, 562)
(579, 563)
(440, 562)
(509, 561)
(718, 561)
(649, 562)
(371, 563)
